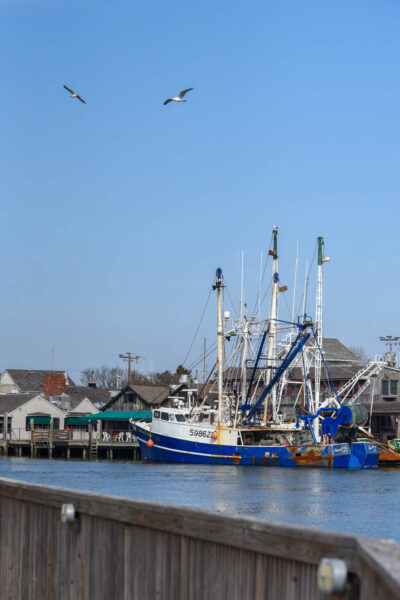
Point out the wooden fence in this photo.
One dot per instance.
(118, 548)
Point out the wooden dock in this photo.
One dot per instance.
(60, 444)
(111, 547)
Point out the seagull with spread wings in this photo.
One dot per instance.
(178, 98)
(74, 94)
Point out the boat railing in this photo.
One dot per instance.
(54, 539)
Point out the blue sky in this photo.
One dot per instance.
(115, 214)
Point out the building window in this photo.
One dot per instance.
(41, 423)
(390, 399)
(36, 425)
(2, 424)
(130, 398)
(84, 428)
(389, 387)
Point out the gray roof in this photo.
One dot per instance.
(341, 362)
(151, 394)
(335, 351)
(9, 402)
(77, 393)
(29, 380)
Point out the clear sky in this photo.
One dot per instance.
(115, 214)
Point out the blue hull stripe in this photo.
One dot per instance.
(189, 452)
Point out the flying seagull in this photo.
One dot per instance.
(74, 95)
(178, 98)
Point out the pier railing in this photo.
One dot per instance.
(20, 434)
(63, 544)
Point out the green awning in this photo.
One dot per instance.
(39, 420)
(111, 415)
(123, 415)
(75, 421)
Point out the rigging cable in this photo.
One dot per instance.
(198, 327)
(231, 301)
(198, 360)
(305, 292)
(262, 279)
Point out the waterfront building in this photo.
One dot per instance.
(138, 397)
(21, 409)
(132, 402)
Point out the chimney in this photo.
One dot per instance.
(54, 384)
(92, 384)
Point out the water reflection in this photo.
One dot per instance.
(357, 502)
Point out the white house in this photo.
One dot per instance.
(21, 409)
(81, 409)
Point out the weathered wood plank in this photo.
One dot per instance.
(255, 534)
(381, 557)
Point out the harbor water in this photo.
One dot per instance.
(362, 502)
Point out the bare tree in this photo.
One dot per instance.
(111, 377)
(137, 378)
(87, 375)
(104, 377)
(361, 354)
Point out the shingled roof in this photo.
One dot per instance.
(29, 380)
(341, 362)
(151, 394)
(77, 393)
(335, 351)
(9, 402)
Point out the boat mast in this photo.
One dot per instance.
(293, 331)
(319, 326)
(272, 324)
(220, 358)
(245, 328)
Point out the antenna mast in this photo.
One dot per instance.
(318, 327)
(218, 286)
(273, 315)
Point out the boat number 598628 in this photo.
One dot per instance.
(200, 433)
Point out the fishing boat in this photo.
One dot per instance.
(244, 428)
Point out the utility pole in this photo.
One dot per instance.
(390, 341)
(129, 357)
